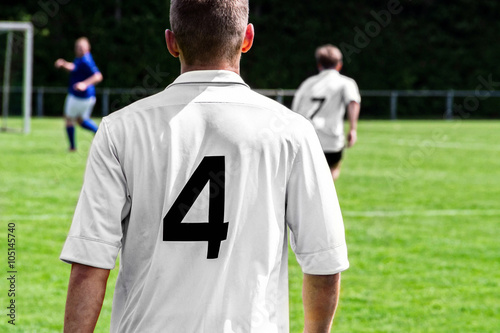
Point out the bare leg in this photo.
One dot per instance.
(335, 169)
(69, 121)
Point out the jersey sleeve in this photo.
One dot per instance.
(91, 65)
(313, 213)
(351, 92)
(95, 235)
(296, 100)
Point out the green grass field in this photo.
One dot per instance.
(421, 204)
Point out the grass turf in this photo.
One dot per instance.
(421, 207)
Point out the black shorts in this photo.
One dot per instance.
(333, 158)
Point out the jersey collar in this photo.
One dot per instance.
(330, 71)
(209, 77)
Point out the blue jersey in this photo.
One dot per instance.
(85, 67)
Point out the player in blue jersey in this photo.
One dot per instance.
(80, 100)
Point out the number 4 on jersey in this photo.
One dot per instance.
(211, 170)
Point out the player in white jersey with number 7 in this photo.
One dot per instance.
(197, 185)
(324, 99)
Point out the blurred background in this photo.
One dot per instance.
(388, 45)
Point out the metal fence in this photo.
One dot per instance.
(278, 94)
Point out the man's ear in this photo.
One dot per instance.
(172, 45)
(248, 40)
(339, 66)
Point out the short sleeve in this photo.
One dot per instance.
(313, 213)
(95, 235)
(89, 61)
(296, 99)
(351, 92)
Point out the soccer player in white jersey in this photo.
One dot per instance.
(324, 98)
(197, 185)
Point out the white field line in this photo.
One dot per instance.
(443, 212)
(373, 213)
(448, 145)
(41, 217)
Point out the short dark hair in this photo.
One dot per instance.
(328, 56)
(209, 30)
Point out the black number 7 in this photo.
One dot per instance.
(211, 170)
(321, 100)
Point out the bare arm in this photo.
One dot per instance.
(61, 63)
(320, 295)
(91, 80)
(87, 286)
(352, 115)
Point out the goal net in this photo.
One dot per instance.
(17, 73)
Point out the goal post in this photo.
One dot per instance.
(27, 29)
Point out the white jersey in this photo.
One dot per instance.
(197, 185)
(323, 99)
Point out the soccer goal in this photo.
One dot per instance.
(19, 36)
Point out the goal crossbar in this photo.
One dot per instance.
(27, 28)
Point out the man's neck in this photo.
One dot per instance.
(190, 68)
(326, 69)
(233, 66)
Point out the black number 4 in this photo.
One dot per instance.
(211, 170)
(321, 100)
